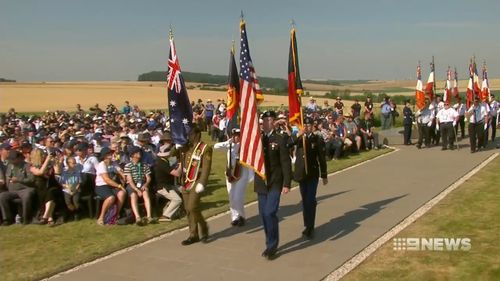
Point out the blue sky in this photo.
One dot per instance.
(58, 40)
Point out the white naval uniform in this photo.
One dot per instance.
(236, 189)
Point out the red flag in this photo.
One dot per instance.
(429, 88)
(470, 87)
(419, 91)
(295, 89)
(251, 153)
(447, 87)
(455, 84)
(485, 87)
(233, 88)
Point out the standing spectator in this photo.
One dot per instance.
(369, 107)
(126, 108)
(209, 114)
(339, 106)
(386, 114)
(356, 109)
(311, 105)
(407, 123)
(394, 112)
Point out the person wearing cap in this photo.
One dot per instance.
(425, 119)
(478, 115)
(460, 108)
(196, 159)
(148, 149)
(108, 184)
(138, 179)
(407, 123)
(277, 180)
(310, 165)
(312, 106)
(89, 164)
(237, 177)
(166, 169)
(19, 182)
(447, 119)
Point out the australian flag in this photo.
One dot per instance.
(179, 107)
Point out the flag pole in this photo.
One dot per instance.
(294, 50)
(435, 80)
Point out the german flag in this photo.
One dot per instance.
(233, 88)
(295, 89)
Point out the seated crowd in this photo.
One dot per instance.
(118, 160)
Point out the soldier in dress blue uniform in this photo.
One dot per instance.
(308, 177)
(278, 179)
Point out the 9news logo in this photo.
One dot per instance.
(432, 244)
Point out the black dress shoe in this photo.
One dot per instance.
(235, 222)
(241, 221)
(190, 240)
(264, 254)
(271, 254)
(308, 231)
(204, 239)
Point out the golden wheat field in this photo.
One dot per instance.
(37, 97)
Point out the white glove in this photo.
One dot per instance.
(199, 188)
(437, 126)
(429, 124)
(485, 126)
(454, 123)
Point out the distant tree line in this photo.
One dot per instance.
(267, 83)
(6, 80)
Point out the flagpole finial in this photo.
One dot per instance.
(170, 32)
(292, 23)
(242, 16)
(232, 46)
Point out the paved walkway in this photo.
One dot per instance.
(355, 208)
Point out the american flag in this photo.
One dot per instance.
(252, 153)
(179, 107)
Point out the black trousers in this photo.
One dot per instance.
(493, 126)
(407, 134)
(424, 135)
(447, 134)
(476, 135)
(461, 123)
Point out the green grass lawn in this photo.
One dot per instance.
(471, 211)
(34, 252)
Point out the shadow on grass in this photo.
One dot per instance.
(338, 227)
(254, 224)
